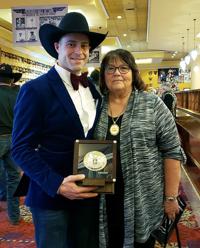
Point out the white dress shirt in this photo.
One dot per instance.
(82, 99)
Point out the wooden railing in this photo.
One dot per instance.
(188, 124)
(189, 99)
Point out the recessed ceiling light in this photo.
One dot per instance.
(119, 17)
(144, 61)
(124, 35)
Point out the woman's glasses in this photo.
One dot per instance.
(123, 69)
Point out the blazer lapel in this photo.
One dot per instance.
(98, 101)
(63, 96)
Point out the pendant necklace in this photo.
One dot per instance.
(114, 128)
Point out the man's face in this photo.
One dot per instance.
(73, 52)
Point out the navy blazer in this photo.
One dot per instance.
(46, 124)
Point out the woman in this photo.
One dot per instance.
(149, 156)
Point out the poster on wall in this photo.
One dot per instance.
(168, 75)
(185, 76)
(26, 22)
(94, 57)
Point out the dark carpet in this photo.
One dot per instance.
(22, 235)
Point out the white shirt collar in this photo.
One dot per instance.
(63, 73)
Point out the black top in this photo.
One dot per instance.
(115, 203)
(8, 97)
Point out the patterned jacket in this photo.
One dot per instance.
(148, 135)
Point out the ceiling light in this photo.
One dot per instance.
(119, 17)
(144, 61)
(196, 68)
(198, 35)
(124, 35)
(105, 49)
(187, 59)
(193, 54)
(183, 65)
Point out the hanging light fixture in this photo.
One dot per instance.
(183, 65)
(187, 57)
(194, 52)
(182, 62)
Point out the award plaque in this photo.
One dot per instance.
(97, 160)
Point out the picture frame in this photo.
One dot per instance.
(96, 159)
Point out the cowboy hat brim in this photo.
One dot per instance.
(16, 76)
(49, 34)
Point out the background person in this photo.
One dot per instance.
(51, 112)
(94, 76)
(149, 156)
(8, 94)
(170, 100)
(3, 191)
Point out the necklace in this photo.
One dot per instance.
(114, 128)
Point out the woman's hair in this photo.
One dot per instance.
(128, 58)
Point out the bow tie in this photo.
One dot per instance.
(75, 80)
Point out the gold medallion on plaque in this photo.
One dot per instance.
(95, 161)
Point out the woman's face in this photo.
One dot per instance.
(118, 77)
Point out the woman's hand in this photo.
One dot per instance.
(171, 209)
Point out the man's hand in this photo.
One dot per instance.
(72, 191)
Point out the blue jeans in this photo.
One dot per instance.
(71, 228)
(51, 228)
(2, 182)
(12, 177)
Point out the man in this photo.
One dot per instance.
(51, 112)
(8, 94)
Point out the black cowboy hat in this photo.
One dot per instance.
(72, 22)
(6, 71)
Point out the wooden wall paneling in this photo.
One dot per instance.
(189, 100)
(185, 99)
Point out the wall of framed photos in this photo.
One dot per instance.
(22, 63)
